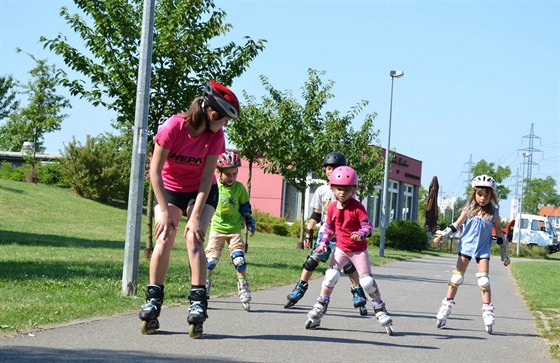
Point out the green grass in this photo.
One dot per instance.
(539, 283)
(62, 260)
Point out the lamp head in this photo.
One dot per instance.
(396, 74)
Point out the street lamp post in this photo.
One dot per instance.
(518, 222)
(384, 204)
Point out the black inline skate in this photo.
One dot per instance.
(151, 309)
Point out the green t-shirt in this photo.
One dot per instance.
(227, 218)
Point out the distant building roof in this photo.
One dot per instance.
(549, 211)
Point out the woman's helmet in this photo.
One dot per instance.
(221, 99)
(334, 159)
(229, 159)
(344, 175)
(484, 181)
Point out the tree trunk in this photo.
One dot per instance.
(248, 191)
(150, 223)
(300, 244)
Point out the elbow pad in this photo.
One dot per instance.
(316, 217)
(366, 227)
(245, 208)
(328, 229)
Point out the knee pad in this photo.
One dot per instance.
(310, 264)
(456, 279)
(370, 286)
(211, 263)
(238, 260)
(331, 278)
(349, 268)
(483, 281)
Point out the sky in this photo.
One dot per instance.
(478, 75)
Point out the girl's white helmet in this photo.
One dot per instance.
(484, 181)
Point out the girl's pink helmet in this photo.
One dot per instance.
(344, 175)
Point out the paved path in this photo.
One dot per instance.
(269, 333)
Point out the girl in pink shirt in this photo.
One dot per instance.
(186, 149)
(349, 220)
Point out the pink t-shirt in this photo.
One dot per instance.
(183, 168)
(346, 221)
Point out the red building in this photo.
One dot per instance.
(269, 192)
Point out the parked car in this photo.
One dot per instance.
(534, 230)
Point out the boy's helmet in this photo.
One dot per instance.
(229, 159)
(484, 181)
(344, 175)
(335, 159)
(221, 99)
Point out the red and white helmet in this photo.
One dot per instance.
(344, 175)
(229, 159)
(484, 181)
(221, 99)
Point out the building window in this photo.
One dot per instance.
(408, 196)
(393, 198)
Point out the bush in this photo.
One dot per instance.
(10, 172)
(98, 170)
(50, 173)
(406, 235)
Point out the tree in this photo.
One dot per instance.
(538, 193)
(361, 147)
(8, 101)
(184, 57)
(499, 174)
(295, 137)
(42, 113)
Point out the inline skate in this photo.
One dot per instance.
(359, 299)
(197, 311)
(296, 294)
(488, 317)
(383, 317)
(316, 313)
(244, 294)
(444, 312)
(150, 311)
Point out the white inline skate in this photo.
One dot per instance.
(244, 294)
(488, 317)
(444, 312)
(316, 313)
(383, 318)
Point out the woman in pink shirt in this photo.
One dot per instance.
(186, 150)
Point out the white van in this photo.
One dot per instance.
(535, 230)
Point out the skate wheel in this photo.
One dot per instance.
(363, 310)
(149, 327)
(288, 305)
(389, 330)
(195, 331)
(309, 324)
(440, 323)
(489, 329)
(246, 306)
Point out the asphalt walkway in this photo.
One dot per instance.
(269, 333)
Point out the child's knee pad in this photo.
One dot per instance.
(483, 281)
(370, 286)
(331, 278)
(456, 278)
